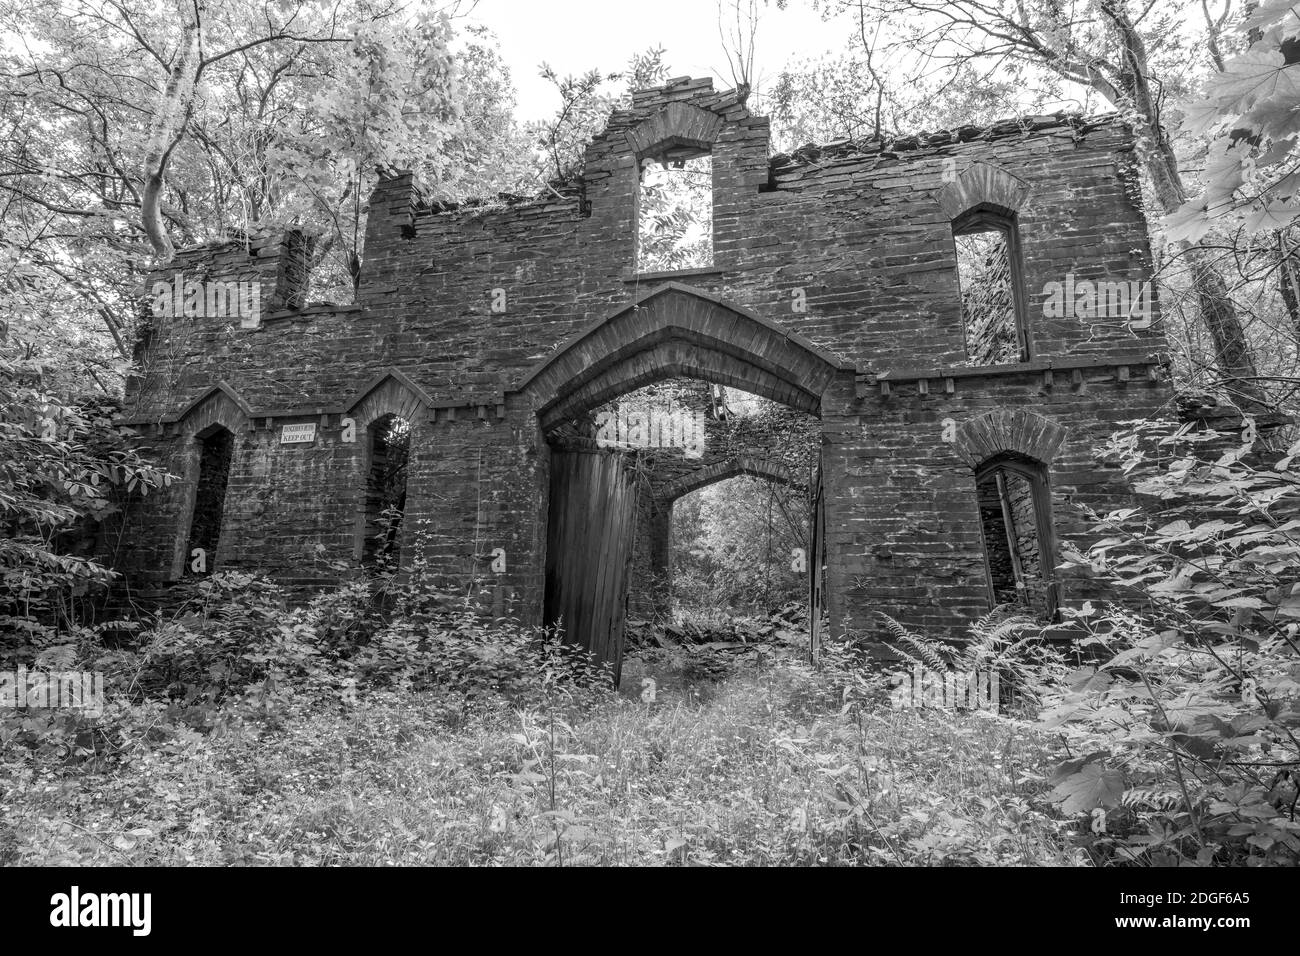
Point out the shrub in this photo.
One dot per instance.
(1186, 730)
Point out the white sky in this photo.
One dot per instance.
(574, 36)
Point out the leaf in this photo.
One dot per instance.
(1248, 602)
(1069, 768)
(1274, 215)
(1266, 14)
(1093, 786)
(1087, 679)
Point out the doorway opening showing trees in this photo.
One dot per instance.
(1019, 548)
(705, 531)
(738, 549)
(216, 452)
(385, 493)
(636, 402)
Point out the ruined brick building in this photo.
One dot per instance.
(951, 457)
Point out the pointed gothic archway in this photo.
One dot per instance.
(209, 428)
(671, 331)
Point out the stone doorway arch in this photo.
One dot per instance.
(671, 331)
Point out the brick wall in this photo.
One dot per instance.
(834, 289)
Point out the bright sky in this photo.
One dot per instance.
(574, 36)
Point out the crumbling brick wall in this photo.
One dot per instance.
(833, 288)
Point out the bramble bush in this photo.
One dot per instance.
(1184, 730)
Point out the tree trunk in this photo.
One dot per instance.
(1232, 352)
(167, 129)
(1232, 355)
(1288, 280)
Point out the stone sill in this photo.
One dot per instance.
(1072, 366)
(629, 276)
(1035, 365)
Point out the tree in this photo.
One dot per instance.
(585, 105)
(125, 135)
(64, 470)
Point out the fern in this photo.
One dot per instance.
(932, 653)
(1001, 645)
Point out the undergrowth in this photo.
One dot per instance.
(774, 765)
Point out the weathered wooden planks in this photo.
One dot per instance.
(590, 532)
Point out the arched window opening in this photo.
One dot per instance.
(1016, 519)
(216, 451)
(390, 453)
(989, 278)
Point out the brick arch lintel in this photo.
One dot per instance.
(982, 184)
(390, 393)
(721, 471)
(219, 405)
(673, 330)
(1014, 431)
(676, 125)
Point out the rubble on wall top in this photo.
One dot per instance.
(700, 92)
(263, 239)
(556, 190)
(815, 153)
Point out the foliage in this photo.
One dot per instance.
(234, 648)
(772, 768)
(120, 144)
(1249, 114)
(733, 544)
(1186, 725)
(834, 97)
(65, 470)
(584, 110)
(1002, 643)
(675, 216)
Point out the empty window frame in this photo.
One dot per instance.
(674, 212)
(1015, 508)
(989, 279)
(216, 451)
(385, 493)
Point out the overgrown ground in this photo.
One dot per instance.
(772, 764)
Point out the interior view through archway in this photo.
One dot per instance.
(737, 549)
(681, 513)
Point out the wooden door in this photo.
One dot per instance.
(591, 526)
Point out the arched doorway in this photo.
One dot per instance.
(678, 509)
(673, 331)
(216, 447)
(388, 457)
